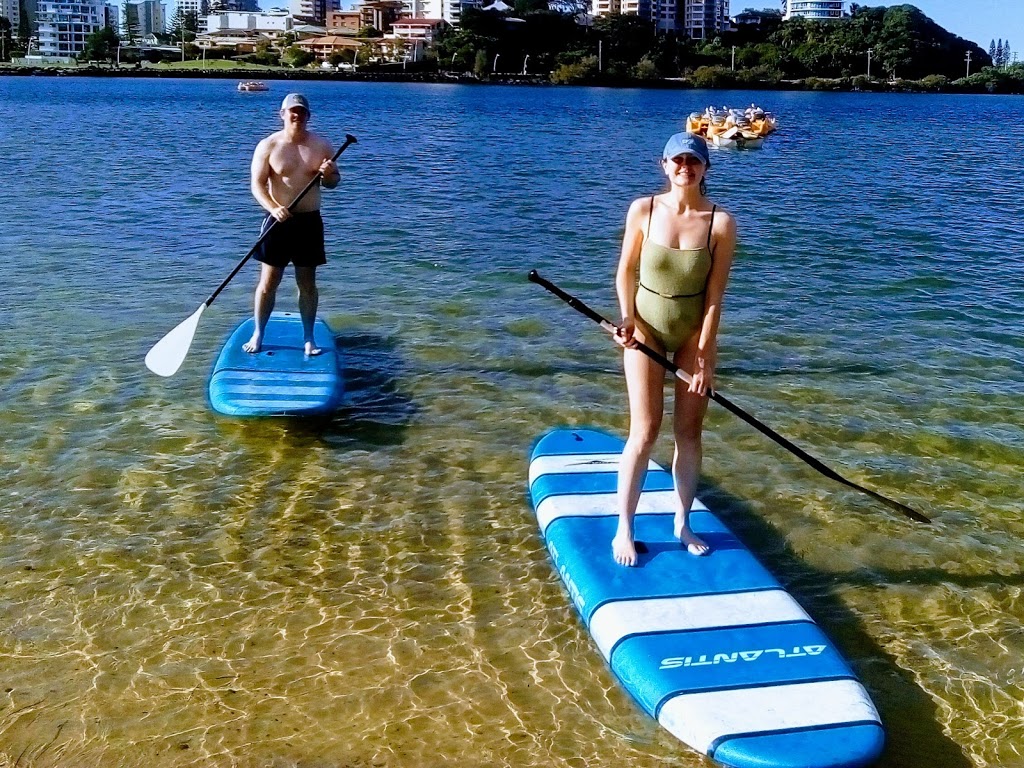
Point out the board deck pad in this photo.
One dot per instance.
(712, 647)
(279, 380)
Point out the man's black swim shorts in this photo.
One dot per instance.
(298, 239)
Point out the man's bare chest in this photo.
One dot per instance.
(294, 161)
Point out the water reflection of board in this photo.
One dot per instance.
(279, 380)
(713, 646)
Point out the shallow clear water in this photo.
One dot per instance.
(185, 589)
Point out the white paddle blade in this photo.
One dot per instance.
(167, 355)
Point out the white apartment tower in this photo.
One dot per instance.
(150, 16)
(64, 25)
(637, 7)
(699, 19)
(9, 10)
(703, 19)
(449, 10)
(201, 9)
(820, 10)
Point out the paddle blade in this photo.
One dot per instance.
(167, 355)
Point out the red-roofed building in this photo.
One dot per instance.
(323, 47)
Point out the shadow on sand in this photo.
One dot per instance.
(375, 411)
(914, 737)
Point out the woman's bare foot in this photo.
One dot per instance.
(312, 350)
(623, 548)
(253, 345)
(694, 544)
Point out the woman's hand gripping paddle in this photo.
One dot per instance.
(764, 429)
(167, 355)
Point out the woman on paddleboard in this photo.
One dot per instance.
(677, 251)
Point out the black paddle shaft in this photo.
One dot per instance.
(349, 139)
(761, 427)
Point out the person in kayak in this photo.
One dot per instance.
(677, 251)
(282, 165)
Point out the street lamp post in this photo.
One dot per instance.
(734, 58)
(870, 51)
(968, 63)
(494, 67)
(525, 59)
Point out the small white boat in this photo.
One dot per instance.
(252, 85)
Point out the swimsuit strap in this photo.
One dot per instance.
(711, 224)
(650, 214)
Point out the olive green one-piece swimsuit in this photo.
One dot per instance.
(670, 296)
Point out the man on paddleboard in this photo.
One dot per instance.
(282, 165)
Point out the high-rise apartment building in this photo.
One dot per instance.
(698, 19)
(274, 22)
(309, 11)
(64, 25)
(703, 19)
(449, 10)
(201, 8)
(10, 11)
(150, 16)
(821, 10)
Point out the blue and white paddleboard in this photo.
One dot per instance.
(279, 380)
(712, 647)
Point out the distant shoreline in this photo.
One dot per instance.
(422, 76)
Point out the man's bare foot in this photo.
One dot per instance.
(253, 345)
(312, 350)
(694, 544)
(623, 549)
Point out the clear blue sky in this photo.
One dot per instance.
(980, 21)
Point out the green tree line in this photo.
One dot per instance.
(868, 48)
(895, 42)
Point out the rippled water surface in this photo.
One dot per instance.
(184, 589)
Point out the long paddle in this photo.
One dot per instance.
(579, 306)
(167, 355)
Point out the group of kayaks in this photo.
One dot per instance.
(733, 128)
